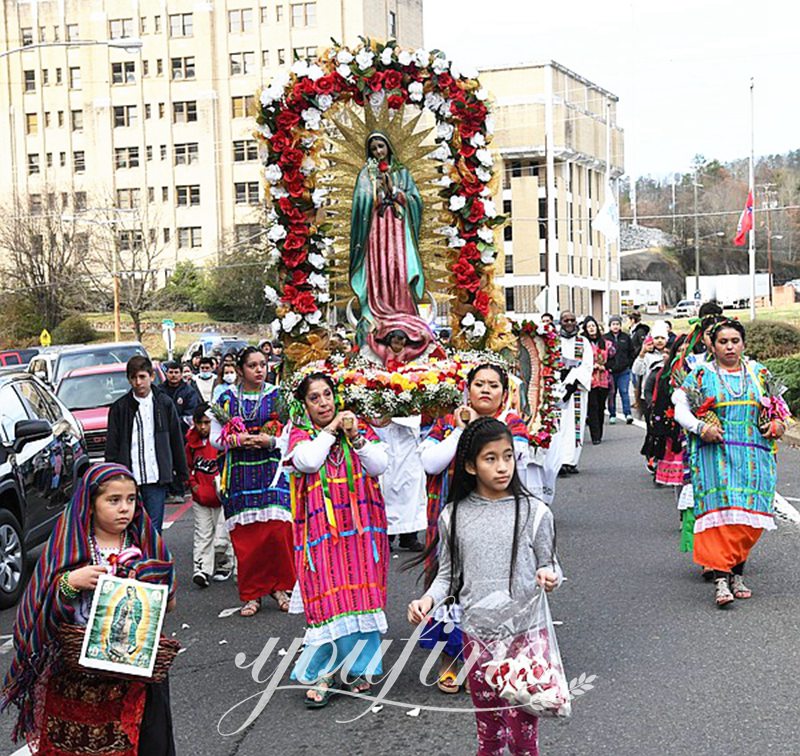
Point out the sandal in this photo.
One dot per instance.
(281, 599)
(250, 608)
(724, 597)
(739, 589)
(360, 685)
(325, 688)
(447, 682)
(708, 574)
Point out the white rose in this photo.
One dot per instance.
(456, 242)
(448, 231)
(433, 101)
(415, 91)
(273, 257)
(314, 317)
(479, 329)
(318, 197)
(324, 101)
(422, 57)
(324, 297)
(444, 130)
(276, 232)
(457, 202)
(404, 58)
(344, 71)
(364, 59)
(485, 234)
(489, 208)
(316, 260)
(477, 140)
(386, 56)
(278, 192)
(304, 327)
(468, 320)
(311, 117)
(271, 295)
(344, 56)
(483, 174)
(442, 152)
(275, 327)
(488, 256)
(300, 68)
(318, 281)
(264, 130)
(484, 157)
(440, 64)
(376, 99)
(481, 94)
(290, 320)
(444, 181)
(268, 96)
(488, 124)
(315, 72)
(273, 173)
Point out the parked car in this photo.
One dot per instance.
(85, 355)
(43, 364)
(88, 393)
(686, 308)
(19, 357)
(214, 344)
(42, 456)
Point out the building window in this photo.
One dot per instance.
(48, 159)
(35, 204)
(78, 161)
(58, 76)
(75, 77)
(508, 233)
(304, 53)
(392, 25)
(510, 300)
(143, 25)
(506, 207)
(246, 192)
(265, 58)
(180, 25)
(148, 110)
(165, 194)
(183, 68)
(245, 150)
(60, 117)
(26, 32)
(240, 20)
(45, 77)
(166, 236)
(72, 32)
(509, 263)
(47, 119)
(30, 81)
(62, 159)
(76, 118)
(242, 106)
(33, 163)
(279, 13)
(126, 157)
(542, 218)
(159, 67)
(157, 24)
(120, 28)
(186, 196)
(130, 240)
(161, 109)
(127, 199)
(186, 154)
(243, 63)
(56, 34)
(281, 56)
(190, 237)
(304, 14)
(124, 115)
(123, 73)
(163, 151)
(31, 124)
(184, 112)
(148, 153)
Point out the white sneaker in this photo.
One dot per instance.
(612, 420)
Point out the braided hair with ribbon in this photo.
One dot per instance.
(43, 608)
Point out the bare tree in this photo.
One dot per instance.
(39, 252)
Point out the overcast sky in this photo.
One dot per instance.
(680, 68)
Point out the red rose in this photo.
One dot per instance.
(289, 293)
(383, 166)
(295, 185)
(476, 212)
(395, 101)
(305, 87)
(325, 84)
(470, 251)
(279, 142)
(481, 303)
(305, 303)
(299, 277)
(291, 157)
(293, 241)
(294, 257)
(299, 229)
(445, 80)
(392, 80)
(375, 82)
(470, 186)
(287, 120)
(466, 150)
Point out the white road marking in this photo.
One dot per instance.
(6, 646)
(24, 751)
(785, 511)
(166, 526)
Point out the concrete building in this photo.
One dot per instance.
(162, 129)
(550, 133)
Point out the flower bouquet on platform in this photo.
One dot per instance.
(519, 652)
(774, 411)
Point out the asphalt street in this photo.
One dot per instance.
(674, 674)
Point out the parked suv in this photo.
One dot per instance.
(214, 344)
(85, 355)
(42, 456)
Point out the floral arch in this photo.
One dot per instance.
(292, 117)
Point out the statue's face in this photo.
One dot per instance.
(378, 149)
(397, 343)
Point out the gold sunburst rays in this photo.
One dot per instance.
(345, 152)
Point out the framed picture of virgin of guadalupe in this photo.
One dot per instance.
(124, 626)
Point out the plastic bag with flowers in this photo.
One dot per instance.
(774, 411)
(518, 652)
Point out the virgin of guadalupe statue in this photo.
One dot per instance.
(386, 272)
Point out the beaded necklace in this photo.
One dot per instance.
(742, 373)
(248, 417)
(96, 551)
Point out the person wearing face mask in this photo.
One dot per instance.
(204, 380)
(226, 377)
(576, 381)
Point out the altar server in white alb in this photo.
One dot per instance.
(576, 381)
(403, 482)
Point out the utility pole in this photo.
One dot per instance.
(752, 246)
(695, 185)
(768, 204)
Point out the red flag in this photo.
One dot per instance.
(745, 222)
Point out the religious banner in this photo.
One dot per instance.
(124, 626)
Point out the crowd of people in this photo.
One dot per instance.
(302, 504)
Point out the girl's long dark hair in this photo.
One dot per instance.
(599, 340)
(476, 435)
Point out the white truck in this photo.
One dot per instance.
(730, 291)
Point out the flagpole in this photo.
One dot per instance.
(752, 236)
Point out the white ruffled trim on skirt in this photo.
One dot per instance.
(347, 625)
(734, 517)
(268, 514)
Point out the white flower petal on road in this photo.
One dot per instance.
(181, 650)
(281, 652)
(413, 712)
(222, 642)
(377, 708)
(229, 612)
(184, 626)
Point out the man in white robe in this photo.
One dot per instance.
(576, 381)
